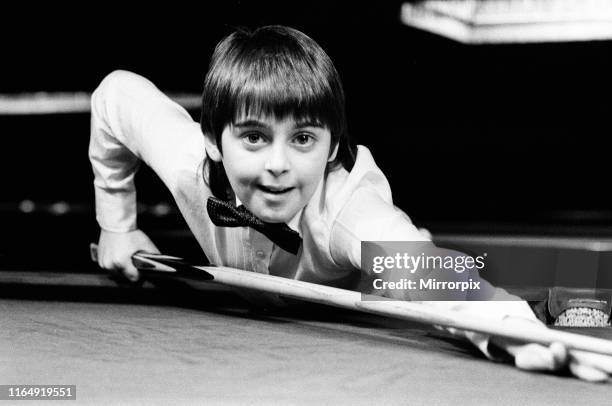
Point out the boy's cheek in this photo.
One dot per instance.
(240, 171)
(243, 166)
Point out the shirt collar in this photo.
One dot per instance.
(293, 223)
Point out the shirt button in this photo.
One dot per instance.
(260, 254)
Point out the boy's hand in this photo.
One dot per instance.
(584, 365)
(115, 251)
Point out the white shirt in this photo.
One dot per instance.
(133, 121)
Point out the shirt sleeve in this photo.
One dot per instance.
(132, 121)
(361, 209)
(368, 214)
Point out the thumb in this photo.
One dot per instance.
(130, 271)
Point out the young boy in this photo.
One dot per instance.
(272, 153)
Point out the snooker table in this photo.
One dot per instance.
(202, 344)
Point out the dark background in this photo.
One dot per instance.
(473, 138)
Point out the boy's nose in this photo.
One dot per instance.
(277, 162)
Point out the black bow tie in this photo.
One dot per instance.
(225, 214)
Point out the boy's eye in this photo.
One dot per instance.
(303, 139)
(253, 138)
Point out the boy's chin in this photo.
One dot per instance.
(280, 217)
(275, 219)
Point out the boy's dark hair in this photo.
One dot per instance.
(272, 71)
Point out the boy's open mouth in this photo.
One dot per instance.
(274, 189)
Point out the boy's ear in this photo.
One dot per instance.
(334, 153)
(211, 147)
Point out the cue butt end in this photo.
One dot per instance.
(93, 251)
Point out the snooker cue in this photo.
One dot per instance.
(399, 309)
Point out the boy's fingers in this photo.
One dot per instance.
(121, 269)
(153, 249)
(129, 270)
(131, 273)
(534, 357)
(560, 355)
(587, 373)
(584, 365)
(599, 361)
